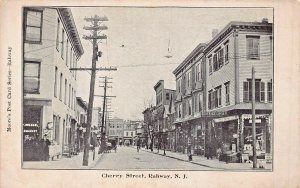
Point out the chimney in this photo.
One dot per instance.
(214, 33)
(265, 20)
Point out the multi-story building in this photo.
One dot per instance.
(51, 47)
(230, 56)
(116, 130)
(190, 103)
(160, 112)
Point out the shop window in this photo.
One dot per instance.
(270, 97)
(33, 27)
(252, 47)
(32, 77)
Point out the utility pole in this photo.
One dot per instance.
(102, 146)
(253, 118)
(94, 29)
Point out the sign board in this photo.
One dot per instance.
(224, 119)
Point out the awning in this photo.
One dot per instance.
(224, 119)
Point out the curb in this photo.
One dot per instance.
(185, 160)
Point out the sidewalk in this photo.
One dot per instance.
(211, 163)
(75, 162)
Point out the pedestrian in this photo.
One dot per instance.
(45, 143)
(138, 144)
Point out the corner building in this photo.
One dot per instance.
(51, 47)
(230, 56)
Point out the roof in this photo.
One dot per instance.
(237, 25)
(158, 83)
(195, 52)
(67, 19)
(81, 103)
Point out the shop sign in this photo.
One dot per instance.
(224, 119)
(256, 121)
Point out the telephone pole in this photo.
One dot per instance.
(94, 29)
(102, 146)
(253, 118)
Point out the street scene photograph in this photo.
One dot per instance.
(148, 88)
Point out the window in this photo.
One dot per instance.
(269, 90)
(60, 86)
(71, 58)
(210, 65)
(189, 79)
(210, 99)
(226, 53)
(189, 106)
(179, 85)
(253, 47)
(179, 110)
(227, 101)
(66, 85)
(198, 72)
(67, 48)
(55, 82)
(200, 102)
(32, 77)
(57, 35)
(196, 103)
(259, 91)
(167, 96)
(62, 43)
(71, 100)
(33, 28)
(69, 104)
(215, 62)
(126, 133)
(74, 100)
(262, 92)
(221, 58)
(131, 133)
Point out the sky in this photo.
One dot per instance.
(146, 34)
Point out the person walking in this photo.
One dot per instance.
(138, 144)
(45, 143)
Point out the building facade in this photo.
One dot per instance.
(190, 103)
(51, 47)
(160, 114)
(116, 130)
(230, 56)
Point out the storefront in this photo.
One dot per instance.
(32, 132)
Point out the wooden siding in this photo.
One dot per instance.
(225, 74)
(263, 65)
